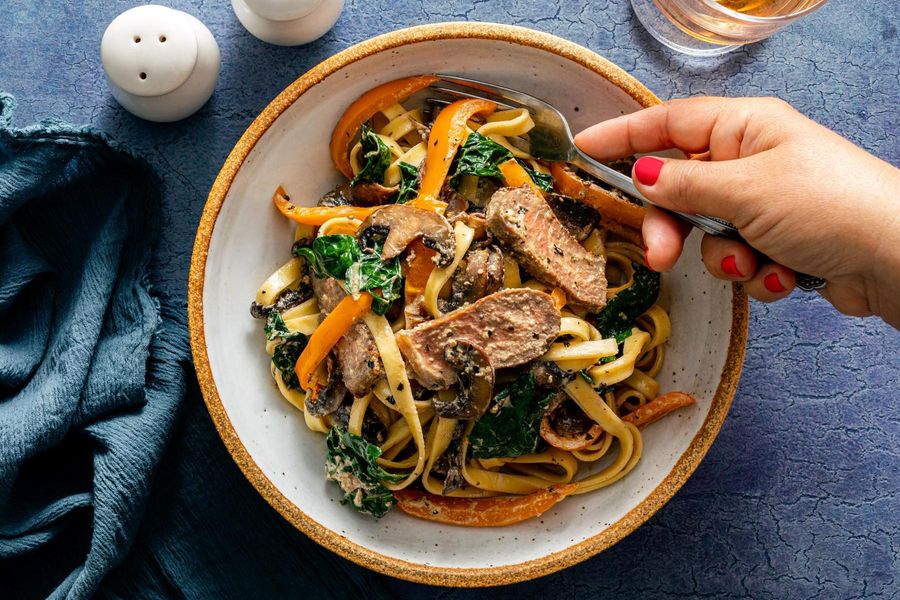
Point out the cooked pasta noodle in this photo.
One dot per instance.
(602, 374)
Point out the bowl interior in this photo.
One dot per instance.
(250, 240)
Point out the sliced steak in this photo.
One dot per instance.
(525, 224)
(483, 275)
(356, 352)
(511, 327)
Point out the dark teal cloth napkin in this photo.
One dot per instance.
(89, 385)
(95, 498)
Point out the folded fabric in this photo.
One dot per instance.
(92, 373)
(89, 385)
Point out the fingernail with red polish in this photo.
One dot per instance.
(729, 266)
(647, 168)
(647, 258)
(773, 284)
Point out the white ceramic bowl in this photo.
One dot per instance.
(241, 239)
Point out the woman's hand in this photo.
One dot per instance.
(799, 193)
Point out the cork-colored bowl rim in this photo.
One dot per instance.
(465, 577)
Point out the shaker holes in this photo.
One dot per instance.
(137, 39)
(143, 76)
(162, 39)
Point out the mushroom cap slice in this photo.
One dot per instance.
(475, 378)
(401, 224)
(331, 396)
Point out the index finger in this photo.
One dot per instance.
(688, 124)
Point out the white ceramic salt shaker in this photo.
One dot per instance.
(288, 22)
(162, 64)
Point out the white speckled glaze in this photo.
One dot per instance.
(250, 239)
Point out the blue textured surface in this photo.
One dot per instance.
(799, 496)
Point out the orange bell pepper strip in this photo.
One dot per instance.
(317, 215)
(493, 511)
(364, 108)
(559, 298)
(419, 267)
(607, 203)
(657, 408)
(448, 133)
(338, 322)
(516, 176)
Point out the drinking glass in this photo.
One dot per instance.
(712, 27)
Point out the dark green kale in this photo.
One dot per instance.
(511, 427)
(623, 335)
(479, 156)
(482, 156)
(351, 461)
(542, 180)
(330, 255)
(285, 357)
(340, 256)
(376, 157)
(409, 188)
(618, 317)
(276, 329)
(587, 376)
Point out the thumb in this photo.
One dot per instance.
(725, 189)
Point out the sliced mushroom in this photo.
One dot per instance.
(579, 219)
(482, 275)
(456, 204)
(369, 193)
(330, 397)
(476, 221)
(401, 224)
(339, 196)
(548, 375)
(475, 382)
(565, 426)
(448, 464)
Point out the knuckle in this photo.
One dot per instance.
(776, 104)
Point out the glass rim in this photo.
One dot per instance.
(754, 19)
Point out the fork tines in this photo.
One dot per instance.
(444, 88)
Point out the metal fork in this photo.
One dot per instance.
(551, 139)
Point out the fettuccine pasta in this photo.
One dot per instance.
(386, 327)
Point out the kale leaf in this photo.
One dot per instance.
(330, 255)
(285, 358)
(542, 180)
(511, 427)
(409, 188)
(351, 461)
(276, 329)
(340, 256)
(617, 318)
(479, 156)
(377, 157)
(483, 156)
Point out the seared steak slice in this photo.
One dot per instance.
(483, 275)
(511, 327)
(525, 224)
(356, 352)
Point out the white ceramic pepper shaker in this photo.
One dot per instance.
(162, 64)
(288, 22)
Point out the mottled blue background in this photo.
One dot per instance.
(800, 495)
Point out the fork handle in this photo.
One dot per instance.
(711, 225)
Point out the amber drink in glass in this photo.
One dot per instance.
(711, 27)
